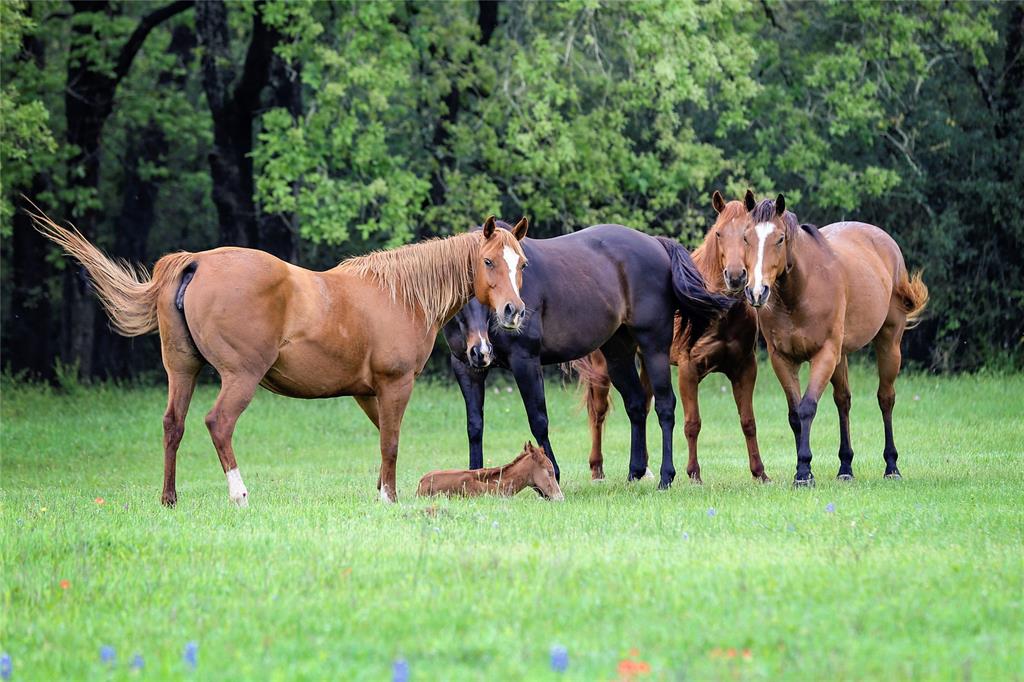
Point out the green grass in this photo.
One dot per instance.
(921, 578)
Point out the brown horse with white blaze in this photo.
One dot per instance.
(364, 328)
(819, 296)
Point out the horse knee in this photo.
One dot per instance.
(794, 420)
(174, 429)
(807, 409)
(886, 399)
(691, 428)
(749, 427)
(475, 427)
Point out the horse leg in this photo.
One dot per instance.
(530, 380)
(823, 366)
(392, 399)
(471, 383)
(181, 382)
(842, 397)
(887, 351)
(598, 405)
(743, 394)
(788, 374)
(645, 381)
(688, 382)
(658, 368)
(368, 404)
(623, 375)
(236, 392)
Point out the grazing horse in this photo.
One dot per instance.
(819, 296)
(728, 346)
(531, 468)
(607, 287)
(364, 328)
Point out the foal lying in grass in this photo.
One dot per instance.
(531, 468)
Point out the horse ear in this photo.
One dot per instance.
(717, 201)
(489, 227)
(528, 445)
(748, 201)
(519, 231)
(780, 205)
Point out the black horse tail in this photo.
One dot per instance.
(696, 303)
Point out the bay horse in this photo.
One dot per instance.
(531, 468)
(728, 345)
(819, 296)
(607, 287)
(364, 328)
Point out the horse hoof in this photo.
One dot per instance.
(695, 479)
(894, 476)
(169, 499)
(844, 477)
(647, 475)
(597, 480)
(803, 482)
(664, 486)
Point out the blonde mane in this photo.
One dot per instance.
(434, 277)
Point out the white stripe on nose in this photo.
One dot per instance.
(512, 260)
(762, 230)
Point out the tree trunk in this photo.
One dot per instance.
(279, 231)
(233, 107)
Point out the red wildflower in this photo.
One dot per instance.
(65, 584)
(731, 653)
(628, 669)
(747, 655)
(100, 500)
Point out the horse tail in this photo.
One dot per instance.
(128, 292)
(914, 295)
(594, 383)
(695, 301)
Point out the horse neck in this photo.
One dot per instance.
(707, 258)
(806, 254)
(433, 278)
(514, 476)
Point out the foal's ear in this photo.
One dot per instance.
(717, 201)
(780, 205)
(748, 201)
(519, 231)
(489, 227)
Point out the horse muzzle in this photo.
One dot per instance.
(757, 298)
(480, 356)
(511, 317)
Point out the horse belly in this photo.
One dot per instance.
(306, 369)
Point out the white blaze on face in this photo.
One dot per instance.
(512, 260)
(236, 489)
(762, 230)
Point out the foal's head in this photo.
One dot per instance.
(498, 273)
(726, 239)
(766, 248)
(541, 472)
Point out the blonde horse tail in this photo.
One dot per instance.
(127, 292)
(915, 298)
(594, 383)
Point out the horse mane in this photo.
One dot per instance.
(706, 256)
(765, 212)
(433, 277)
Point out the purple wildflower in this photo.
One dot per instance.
(191, 654)
(137, 662)
(400, 670)
(5, 666)
(830, 507)
(107, 654)
(712, 512)
(559, 658)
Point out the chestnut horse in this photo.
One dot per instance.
(364, 328)
(728, 346)
(819, 296)
(531, 469)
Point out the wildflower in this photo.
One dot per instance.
(400, 670)
(629, 669)
(190, 655)
(42, 510)
(100, 500)
(830, 507)
(559, 658)
(137, 662)
(65, 584)
(494, 524)
(686, 536)
(107, 654)
(747, 655)
(5, 666)
(730, 653)
(712, 512)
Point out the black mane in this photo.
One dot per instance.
(765, 211)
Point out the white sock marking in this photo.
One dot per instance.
(512, 260)
(762, 230)
(236, 489)
(384, 497)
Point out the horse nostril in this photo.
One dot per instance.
(510, 311)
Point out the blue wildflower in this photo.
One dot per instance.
(686, 536)
(712, 512)
(137, 662)
(5, 666)
(107, 654)
(559, 658)
(830, 507)
(400, 671)
(191, 654)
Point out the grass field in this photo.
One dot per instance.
(921, 578)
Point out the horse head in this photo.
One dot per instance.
(542, 473)
(767, 248)
(498, 272)
(724, 244)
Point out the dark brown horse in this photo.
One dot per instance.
(727, 345)
(531, 469)
(819, 296)
(364, 328)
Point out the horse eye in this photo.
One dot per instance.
(525, 265)
(745, 239)
(718, 235)
(781, 239)
(488, 262)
